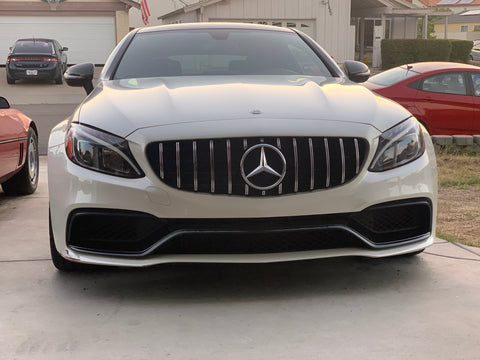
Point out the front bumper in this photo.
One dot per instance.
(140, 235)
(107, 220)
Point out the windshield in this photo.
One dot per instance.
(33, 47)
(392, 76)
(218, 52)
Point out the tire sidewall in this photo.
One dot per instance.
(31, 155)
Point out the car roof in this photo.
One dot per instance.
(36, 39)
(423, 67)
(213, 25)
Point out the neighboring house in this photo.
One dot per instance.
(463, 26)
(90, 29)
(456, 6)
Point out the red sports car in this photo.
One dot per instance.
(443, 96)
(18, 151)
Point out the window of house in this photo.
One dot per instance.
(464, 28)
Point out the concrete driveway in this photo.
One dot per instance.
(40, 92)
(425, 307)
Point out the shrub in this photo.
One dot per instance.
(403, 51)
(461, 51)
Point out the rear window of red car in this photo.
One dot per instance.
(392, 76)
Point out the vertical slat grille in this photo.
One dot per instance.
(213, 165)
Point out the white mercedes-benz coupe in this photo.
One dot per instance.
(234, 143)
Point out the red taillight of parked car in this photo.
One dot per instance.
(32, 58)
(50, 59)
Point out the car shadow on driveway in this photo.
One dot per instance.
(245, 282)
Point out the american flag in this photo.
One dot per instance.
(145, 11)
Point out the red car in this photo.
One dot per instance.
(443, 96)
(18, 151)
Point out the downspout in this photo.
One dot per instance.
(446, 28)
(362, 38)
(425, 27)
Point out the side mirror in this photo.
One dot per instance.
(356, 71)
(81, 75)
(65, 48)
(4, 104)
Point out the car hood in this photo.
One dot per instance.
(124, 106)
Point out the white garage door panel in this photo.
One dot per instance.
(88, 38)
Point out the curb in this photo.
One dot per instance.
(467, 142)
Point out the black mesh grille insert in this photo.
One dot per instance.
(261, 243)
(393, 222)
(215, 165)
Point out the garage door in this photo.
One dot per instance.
(88, 38)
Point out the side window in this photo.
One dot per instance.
(476, 82)
(446, 83)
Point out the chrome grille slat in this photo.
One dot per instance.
(312, 164)
(357, 156)
(195, 167)
(279, 145)
(177, 148)
(295, 156)
(327, 163)
(342, 152)
(160, 156)
(213, 165)
(229, 165)
(212, 168)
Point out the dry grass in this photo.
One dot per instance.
(459, 198)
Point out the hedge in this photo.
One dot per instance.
(403, 51)
(461, 51)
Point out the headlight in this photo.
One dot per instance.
(398, 146)
(100, 151)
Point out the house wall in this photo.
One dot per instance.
(472, 35)
(332, 31)
(183, 18)
(454, 28)
(404, 28)
(454, 31)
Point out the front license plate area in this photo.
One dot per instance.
(32, 72)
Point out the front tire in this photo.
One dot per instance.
(26, 180)
(10, 80)
(59, 79)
